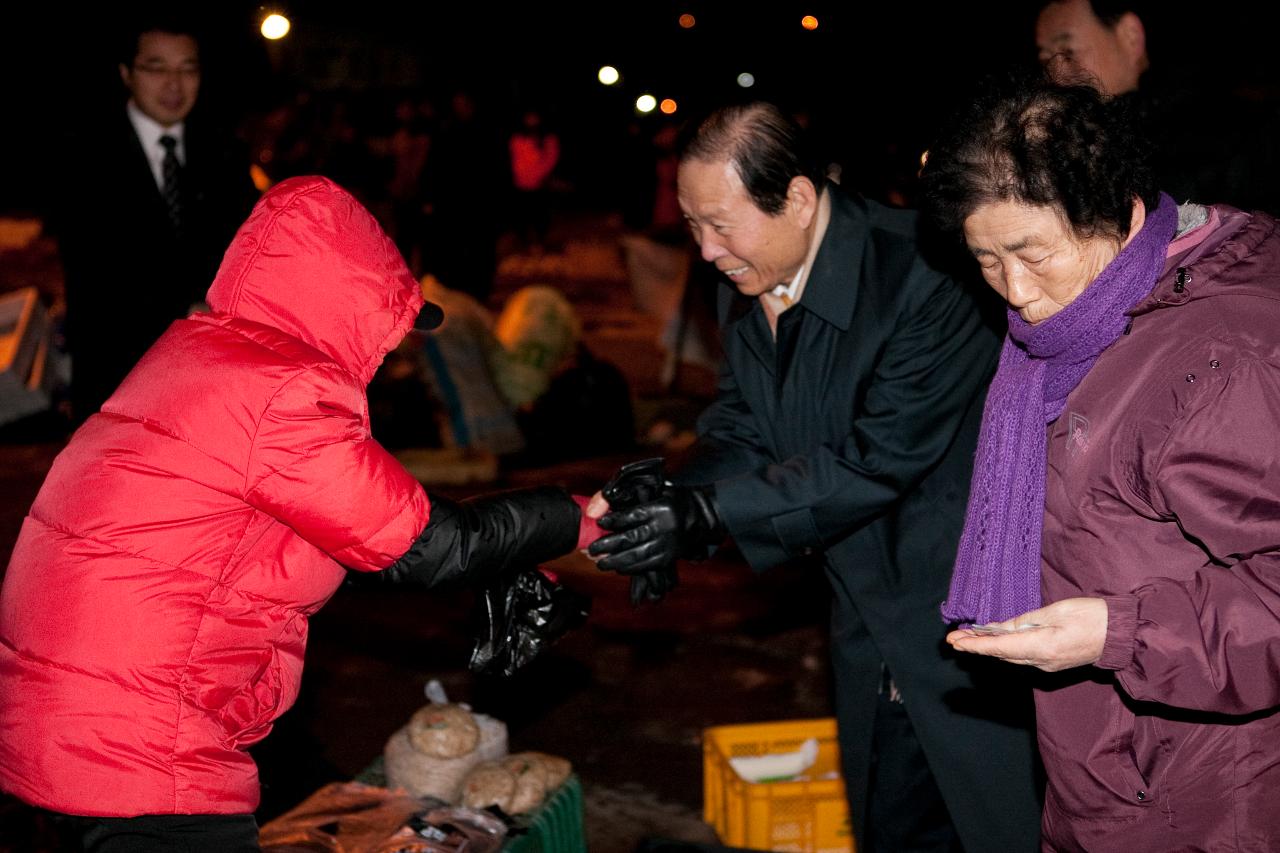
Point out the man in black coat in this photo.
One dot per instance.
(1104, 44)
(844, 428)
(144, 206)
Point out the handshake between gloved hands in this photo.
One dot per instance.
(651, 523)
(638, 526)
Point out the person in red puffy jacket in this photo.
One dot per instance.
(154, 613)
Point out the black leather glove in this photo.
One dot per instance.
(485, 538)
(632, 485)
(496, 541)
(679, 522)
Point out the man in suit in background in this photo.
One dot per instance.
(1103, 44)
(145, 205)
(1232, 154)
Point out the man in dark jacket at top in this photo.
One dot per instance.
(146, 201)
(844, 427)
(1105, 44)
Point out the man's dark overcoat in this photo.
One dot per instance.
(851, 439)
(129, 272)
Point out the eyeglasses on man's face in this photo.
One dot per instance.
(155, 69)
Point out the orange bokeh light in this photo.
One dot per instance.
(687, 21)
(809, 22)
(668, 106)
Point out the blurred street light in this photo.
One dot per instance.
(687, 21)
(646, 103)
(746, 80)
(275, 26)
(607, 75)
(668, 106)
(809, 22)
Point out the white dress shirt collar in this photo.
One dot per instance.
(784, 296)
(149, 132)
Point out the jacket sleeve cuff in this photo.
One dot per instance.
(1122, 625)
(765, 539)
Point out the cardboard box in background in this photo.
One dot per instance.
(27, 372)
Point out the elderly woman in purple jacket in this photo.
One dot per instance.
(1123, 528)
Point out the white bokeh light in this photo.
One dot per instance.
(275, 27)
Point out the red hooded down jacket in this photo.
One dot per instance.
(154, 613)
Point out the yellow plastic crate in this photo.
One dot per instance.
(806, 815)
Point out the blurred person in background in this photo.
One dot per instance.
(535, 153)
(1229, 153)
(466, 175)
(1100, 43)
(407, 149)
(143, 208)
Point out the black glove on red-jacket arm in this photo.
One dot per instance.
(681, 521)
(483, 538)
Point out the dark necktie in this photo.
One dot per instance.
(170, 171)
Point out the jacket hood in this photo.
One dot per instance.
(1239, 257)
(313, 263)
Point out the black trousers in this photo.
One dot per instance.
(169, 834)
(905, 810)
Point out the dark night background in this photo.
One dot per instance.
(873, 78)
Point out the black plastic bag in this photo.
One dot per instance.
(522, 615)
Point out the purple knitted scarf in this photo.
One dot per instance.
(997, 572)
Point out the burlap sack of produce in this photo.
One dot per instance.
(517, 784)
(444, 731)
(408, 766)
(657, 273)
(489, 784)
(539, 330)
(552, 769)
(462, 358)
(531, 783)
